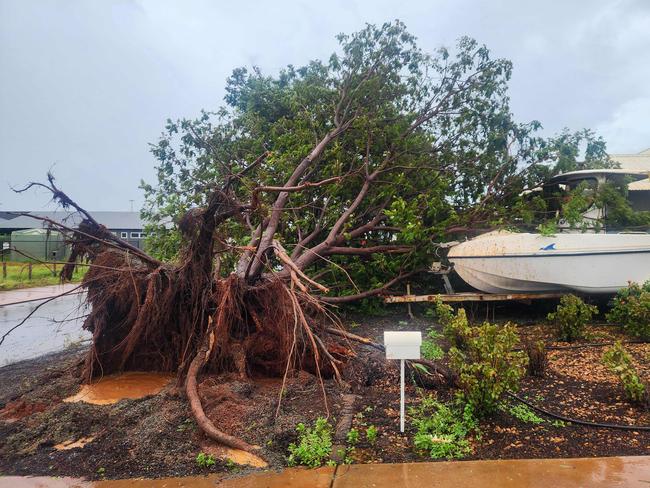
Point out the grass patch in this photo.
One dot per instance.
(18, 275)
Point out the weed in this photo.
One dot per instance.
(187, 424)
(442, 430)
(559, 423)
(352, 437)
(101, 472)
(522, 412)
(204, 460)
(571, 316)
(232, 465)
(314, 444)
(430, 348)
(371, 435)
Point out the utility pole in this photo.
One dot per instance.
(131, 204)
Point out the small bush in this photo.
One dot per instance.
(620, 362)
(537, 358)
(314, 445)
(442, 430)
(571, 316)
(632, 310)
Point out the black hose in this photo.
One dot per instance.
(579, 422)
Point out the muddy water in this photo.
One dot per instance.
(53, 326)
(113, 388)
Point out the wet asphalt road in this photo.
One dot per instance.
(52, 327)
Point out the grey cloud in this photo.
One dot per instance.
(86, 85)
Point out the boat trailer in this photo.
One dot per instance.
(452, 297)
(472, 297)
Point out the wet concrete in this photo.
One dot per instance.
(621, 472)
(624, 472)
(113, 388)
(53, 326)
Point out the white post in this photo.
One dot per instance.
(401, 394)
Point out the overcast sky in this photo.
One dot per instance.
(85, 85)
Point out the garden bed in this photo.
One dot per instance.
(156, 436)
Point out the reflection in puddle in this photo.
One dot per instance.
(113, 388)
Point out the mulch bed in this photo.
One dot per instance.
(156, 436)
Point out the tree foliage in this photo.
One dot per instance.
(365, 160)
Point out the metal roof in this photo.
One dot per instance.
(112, 220)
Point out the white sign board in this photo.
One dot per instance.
(402, 345)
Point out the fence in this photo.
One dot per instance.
(30, 262)
(32, 250)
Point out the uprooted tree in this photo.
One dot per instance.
(321, 186)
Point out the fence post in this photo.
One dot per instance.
(4, 270)
(54, 269)
(29, 271)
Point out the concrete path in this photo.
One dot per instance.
(619, 472)
(23, 295)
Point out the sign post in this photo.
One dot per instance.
(402, 345)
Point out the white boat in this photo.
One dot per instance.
(506, 262)
(589, 263)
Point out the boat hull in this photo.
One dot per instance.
(506, 262)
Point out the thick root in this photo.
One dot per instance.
(204, 423)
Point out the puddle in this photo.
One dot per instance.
(113, 388)
(65, 445)
(237, 456)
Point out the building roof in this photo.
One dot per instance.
(610, 173)
(635, 162)
(112, 220)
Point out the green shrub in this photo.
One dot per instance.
(632, 310)
(314, 445)
(487, 367)
(620, 362)
(571, 316)
(442, 430)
